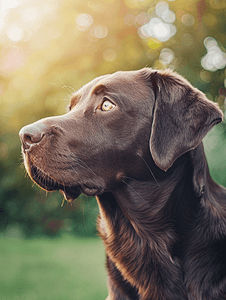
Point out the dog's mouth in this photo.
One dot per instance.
(70, 192)
(49, 184)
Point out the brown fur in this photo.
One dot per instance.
(162, 218)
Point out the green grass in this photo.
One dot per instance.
(65, 268)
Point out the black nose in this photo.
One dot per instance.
(32, 134)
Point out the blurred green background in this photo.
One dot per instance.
(49, 48)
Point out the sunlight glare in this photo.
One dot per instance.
(158, 29)
(161, 31)
(30, 14)
(160, 25)
(8, 4)
(5, 7)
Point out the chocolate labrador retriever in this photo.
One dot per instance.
(134, 140)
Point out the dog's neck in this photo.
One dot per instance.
(138, 231)
(144, 203)
(142, 221)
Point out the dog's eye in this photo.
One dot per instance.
(107, 105)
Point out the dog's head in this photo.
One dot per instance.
(115, 122)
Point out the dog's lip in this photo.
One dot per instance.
(49, 184)
(43, 180)
(91, 191)
(70, 191)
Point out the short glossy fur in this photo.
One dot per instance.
(162, 218)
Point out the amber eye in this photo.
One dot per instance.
(107, 105)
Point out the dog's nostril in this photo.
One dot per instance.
(32, 134)
(28, 140)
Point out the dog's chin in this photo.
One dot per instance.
(49, 184)
(70, 192)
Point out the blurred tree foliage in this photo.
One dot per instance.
(51, 48)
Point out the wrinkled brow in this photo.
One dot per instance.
(98, 89)
(74, 100)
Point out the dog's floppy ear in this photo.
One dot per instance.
(182, 116)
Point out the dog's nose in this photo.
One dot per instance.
(32, 134)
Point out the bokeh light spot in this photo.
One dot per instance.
(205, 76)
(179, 14)
(169, 16)
(100, 31)
(162, 10)
(210, 43)
(161, 7)
(217, 4)
(142, 18)
(215, 58)
(84, 21)
(109, 55)
(188, 20)
(166, 56)
(15, 34)
(30, 14)
(142, 32)
(180, 62)
(160, 25)
(160, 30)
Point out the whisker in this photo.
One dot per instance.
(69, 88)
(82, 164)
(62, 204)
(132, 179)
(149, 170)
(63, 201)
(133, 189)
(87, 167)
(73, 167)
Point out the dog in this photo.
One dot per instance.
(133, 139)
